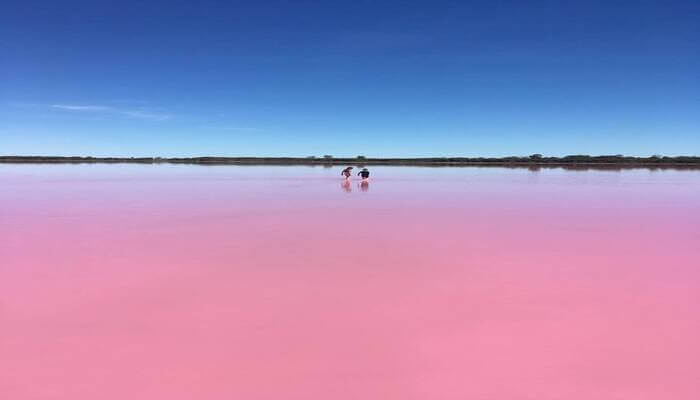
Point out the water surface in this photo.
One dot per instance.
(190, 282)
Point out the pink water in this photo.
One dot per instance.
(185, 282)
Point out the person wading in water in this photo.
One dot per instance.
(364, 173)
(346, 172)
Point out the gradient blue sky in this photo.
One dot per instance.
(379, 78)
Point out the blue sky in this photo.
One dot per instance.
(378, 78)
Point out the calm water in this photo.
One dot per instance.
(187, 282)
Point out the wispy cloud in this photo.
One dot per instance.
(81, 108)
(146, 115)
(140, 114)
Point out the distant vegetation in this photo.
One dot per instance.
(534, 160)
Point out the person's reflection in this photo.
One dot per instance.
(345, 184)
(364, 186)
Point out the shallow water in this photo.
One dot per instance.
(189, 282)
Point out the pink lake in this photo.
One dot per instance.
(179, 282)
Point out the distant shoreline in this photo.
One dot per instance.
(535, 161)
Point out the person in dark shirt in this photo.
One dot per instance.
(364, 173)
